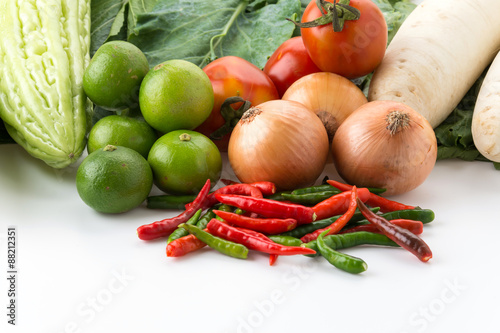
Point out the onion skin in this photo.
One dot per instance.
(332, 97)
(279, 141)
(366, 154)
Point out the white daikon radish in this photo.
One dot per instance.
(486, 116)
(437, 55)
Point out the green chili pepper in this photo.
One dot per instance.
(203, 221)
(224, 208)
(305, 229)
(169, 201)
(417, 214)
(239, 211)
(340, 260)
(343, 241)
(278, 196)
(285, 240)
(308, 198)
(180, 232)
(316, 189)
(345, 187)
(223, 246)
(376, 190)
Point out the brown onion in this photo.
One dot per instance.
(332, 97)
(385, 144)
(279, 141)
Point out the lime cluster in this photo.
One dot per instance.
(127, 153)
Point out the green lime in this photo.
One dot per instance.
(176, 94)
(182, 161)
(114, 75)
(114, 179)
(124, 131)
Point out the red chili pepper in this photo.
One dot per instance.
(267, 188)
(272, 257)
(385, 204)
(265, 225)
(374, 200)
(269, 208)
(181, 246)
(166, 226)
(401, 236)
(243, 189)
(254, 233)
(341, 186)
(415, 227)
(338, 203)
(336, 226)
(253, 242)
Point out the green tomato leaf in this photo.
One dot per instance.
(200, 31)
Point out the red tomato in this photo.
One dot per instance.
(289, 63)
(353, 52)
(235, 76)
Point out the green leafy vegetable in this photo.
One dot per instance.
(114, 19)
(456, 129)
(395, 12)
(303, 4)
(107, 21)
(200, 30)
(136, 8)
(454, 134)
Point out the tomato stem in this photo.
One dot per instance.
(335, 13)
(230, 115)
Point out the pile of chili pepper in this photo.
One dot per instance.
(312, 221)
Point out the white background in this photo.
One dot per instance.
(81, 271)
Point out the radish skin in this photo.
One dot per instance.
(437, 55)
(486, 116)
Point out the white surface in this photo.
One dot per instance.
(81, 271)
